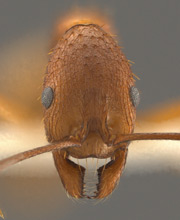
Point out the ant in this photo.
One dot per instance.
(89, 99)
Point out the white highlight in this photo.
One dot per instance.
(155, 156)
(90, 162)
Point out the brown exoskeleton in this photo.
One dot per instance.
(90, 101)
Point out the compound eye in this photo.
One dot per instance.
(47, 97)
(134, 96)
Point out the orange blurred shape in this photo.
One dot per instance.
(163, 112)
(1, 214)
(13, 111)
(6, 109)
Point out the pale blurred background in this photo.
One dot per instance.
(149, 32)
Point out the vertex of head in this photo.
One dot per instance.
(81, 16)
